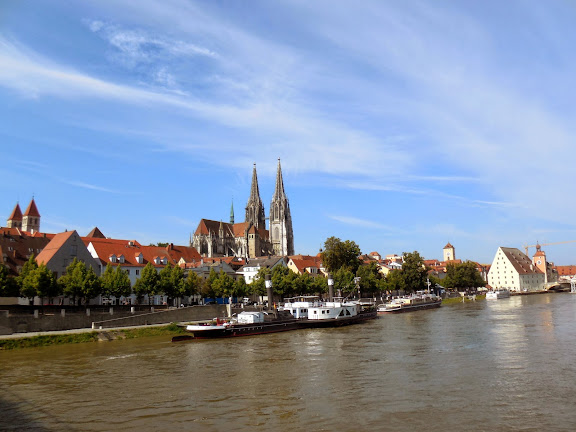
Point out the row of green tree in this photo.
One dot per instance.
(340, 258)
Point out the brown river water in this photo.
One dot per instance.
(503, 365)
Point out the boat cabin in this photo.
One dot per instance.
(312, 308)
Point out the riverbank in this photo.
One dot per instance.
(33, 340)
(86, 335)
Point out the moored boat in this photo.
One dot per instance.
(313, 312)
(244, 324)
(497, 294)
(417, 301)
(296, 313)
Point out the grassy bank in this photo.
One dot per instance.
(95, 336)
(465, 299)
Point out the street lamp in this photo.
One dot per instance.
(357, 282)
(330, 287)
(268, 284)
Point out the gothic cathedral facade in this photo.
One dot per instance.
(250, 239)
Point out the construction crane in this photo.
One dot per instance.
(537, 245)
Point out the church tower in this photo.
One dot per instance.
(15, 219)
(281, 233)
(449, 252)
(539, 261)
(254, 208)
(31, 218)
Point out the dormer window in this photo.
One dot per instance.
(121, 259)
(140, 258)
(156, 260)
(113, 258)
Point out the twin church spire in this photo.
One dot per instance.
(280, 234)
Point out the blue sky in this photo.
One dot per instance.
(400, 124)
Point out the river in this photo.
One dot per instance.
(503, 365)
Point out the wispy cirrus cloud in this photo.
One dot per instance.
(364, 223)
(343, 148)
(140, 45)
(90, 186)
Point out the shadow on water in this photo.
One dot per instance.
(16, 416)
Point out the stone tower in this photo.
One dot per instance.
(31, 218)
(15, 219)
(254, 208)
(281, 233)
(449, 253)
(539, 261)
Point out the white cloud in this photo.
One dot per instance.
(358, 222)
(90, 186)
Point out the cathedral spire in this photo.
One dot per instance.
(254, 207)
(281, 232)
(232, 212)
(279, 193)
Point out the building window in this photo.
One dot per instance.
(137, 272)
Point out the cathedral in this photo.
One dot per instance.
(250, 239)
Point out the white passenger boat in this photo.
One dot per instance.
(417, 301)
(313, 312)
(497, 294)
(296, 313)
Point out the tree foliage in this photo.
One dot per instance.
(8, 284)
(414, 272)
(339, 254)
(463, 276)
(148, 284)
(80, 281)
(344, 281)
(24, 279)
(371, 280)
(394, 281)
(223, 285)
(42, 283)
(192, 284)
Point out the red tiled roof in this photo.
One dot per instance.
(105, 248)
(188, 253)
(240, 229)
(16, 246)
(569, 270)
(16, 213)
(304, 263)
(53, 246)
(448, 245)
(95, 233)
(32, 210)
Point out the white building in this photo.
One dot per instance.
(513, 270)
(250, 270)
